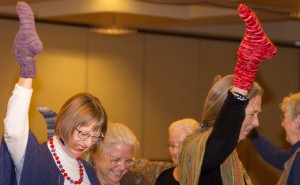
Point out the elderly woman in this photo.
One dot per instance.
(288, 161)
(178, 131)
(138, 170)
(113, 157)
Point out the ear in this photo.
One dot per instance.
(297, 122)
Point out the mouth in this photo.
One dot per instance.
(247, 130)
(117, 173)
(79, 148)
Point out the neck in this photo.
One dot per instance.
(65, 147)
(175, 173)
(103, 180)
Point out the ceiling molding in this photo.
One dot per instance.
(188, 16)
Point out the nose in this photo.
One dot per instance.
(122, 165)
(88, 142)
(176, 150)
(255, 121)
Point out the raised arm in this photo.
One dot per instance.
(26, 45)
(269, 152)
(254, 48)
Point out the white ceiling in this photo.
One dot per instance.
(186, 17)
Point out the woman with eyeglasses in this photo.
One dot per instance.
(286, 160)
(115, 155)
(81, 123)
(141, 167)
(178, 131)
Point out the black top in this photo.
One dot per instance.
(166, 178)
(223, 139)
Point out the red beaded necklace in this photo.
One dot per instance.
(60, 166)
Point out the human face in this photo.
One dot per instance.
(108, 170)
(251, 118)
(176, 136)
(291, 128)
(78, 145)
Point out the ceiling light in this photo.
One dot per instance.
(114, 30)
(297, 43)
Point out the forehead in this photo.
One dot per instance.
(90, 128)
(254, 104)
(177, 135)
(120, 149)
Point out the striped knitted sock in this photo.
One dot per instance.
(50, 118)
(254, 48)
(27, 43)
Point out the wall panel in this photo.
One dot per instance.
(171, 88)
(145, 81)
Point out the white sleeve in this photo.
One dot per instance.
(16, 126)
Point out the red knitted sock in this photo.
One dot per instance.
(254, 48)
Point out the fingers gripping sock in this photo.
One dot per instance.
(27, 43)
(50, 118)
(254, 48)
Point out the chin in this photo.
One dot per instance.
(242, 138)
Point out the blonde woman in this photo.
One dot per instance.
(113, 158)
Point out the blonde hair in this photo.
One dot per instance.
(187, 124)
(116, 133)
(80, 110)
(216, 97)
(291, 105)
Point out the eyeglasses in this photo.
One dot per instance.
(117, 161)
(85, 135)
(173, 146)
(283, 116)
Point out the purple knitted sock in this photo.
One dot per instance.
(27, 43)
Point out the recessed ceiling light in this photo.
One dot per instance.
(113, 30)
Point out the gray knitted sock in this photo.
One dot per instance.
(50, 118)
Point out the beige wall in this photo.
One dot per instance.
(145, 81)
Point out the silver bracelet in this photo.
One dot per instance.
(239, 96)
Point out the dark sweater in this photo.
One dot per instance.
(38, 168)
(269, 152)
(7, 170)
(223, 139)
(277, 157)
(166, 178)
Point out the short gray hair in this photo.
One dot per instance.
(187, 124)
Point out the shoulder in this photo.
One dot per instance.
(88, 167)
(134, 178)
(167, 171)
(90, 172)
(166, 177)
(297, 158)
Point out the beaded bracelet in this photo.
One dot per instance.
(239, 96)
